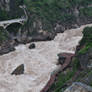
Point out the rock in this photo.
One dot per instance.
(43, 37)
(86, 59)
(89, 64)
(6, 48)
(87, 79)
(61, 59)
(32, 46)
(83, 59)
(79, 87)
(4, 5)
(59, 28)
(19, 70)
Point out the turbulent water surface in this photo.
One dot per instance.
(39, 63)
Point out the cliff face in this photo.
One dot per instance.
(46, 19)
(84, 57)
(80, 68)
(5, 5)
(9, 9)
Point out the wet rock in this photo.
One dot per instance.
(61, 59)
(19, 70)
(6, 48)
(79, 87)
(32, 46)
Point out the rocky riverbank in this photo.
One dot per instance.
(79, 70)
(39, 63)
(54, 75)
(38, 59)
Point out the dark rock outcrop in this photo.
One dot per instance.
(61, 59)
(32, 46)
(87, 79)
(6, 47)
(53, 77)
(19, 70)
(79, 87)
(65, 59)
(86, 59)
(4, 5)
(45, 36)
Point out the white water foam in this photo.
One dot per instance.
(39, 63)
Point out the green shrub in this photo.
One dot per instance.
(86, 40)
(3, 36)
(87, 36)
(64, 78)
(87, 12)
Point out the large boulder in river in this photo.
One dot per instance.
(79, 87)
(61, 59)
(32, 46)
(19, 70)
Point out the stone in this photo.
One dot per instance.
(6, 48)
(32, 46)
(19, 70)
(89, 65)
(61, 59)
(86, 59)
(83, 59)
(59, 28)
(79, 87)
(87, 79)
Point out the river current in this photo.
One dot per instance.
(39, 63)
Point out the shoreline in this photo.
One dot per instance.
(53, 76)
(65, 40)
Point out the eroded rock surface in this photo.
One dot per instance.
(79, 87)
(19, 70)
(39, 62)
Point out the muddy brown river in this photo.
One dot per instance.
(39, 63)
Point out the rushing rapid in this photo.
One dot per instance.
(39, 63)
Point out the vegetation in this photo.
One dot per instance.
(13, 28)
(86, 12)
(15, 11)
(62, 11)
(63, 78)
(86, 40)
(49, 12)
(3, 15)
(3, 36)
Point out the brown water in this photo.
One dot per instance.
(39, 63)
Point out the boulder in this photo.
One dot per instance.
(43, 37)
(6, 48)
(32, 46)
(79, 87)
(87, 79)
(19, 70)
(59, 28)
(86, 59)
(61, 59)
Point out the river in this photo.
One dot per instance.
(39, 63)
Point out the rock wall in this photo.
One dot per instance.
(4, 5)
